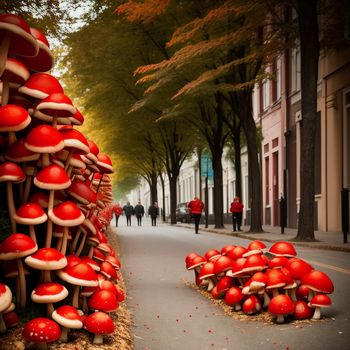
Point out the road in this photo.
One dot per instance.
(169, 315)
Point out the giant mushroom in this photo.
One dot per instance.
(99, 323)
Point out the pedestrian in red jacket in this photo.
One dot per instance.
(236, 209)
(196, 207)
(117, 210)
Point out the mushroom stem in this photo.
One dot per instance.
(64, 335)
(64, 240)
(98, 339)
(75, 301)
(266, 300)
(317, 313)
(75, 241)
(274, 292)
(22, 284)
(32, 233)
(50, 309)
(81, 246)
(46, 276)
(49, 222)
(280, 319)
(211, 284)
(5, 44)
(41, 346)
(238, 307)
(69, 157)
(11, 205)
(2, 324)
(5, 91)
(45, 160)
(27, 186)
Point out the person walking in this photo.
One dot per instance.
(139, 212)
(236, 209)
(128, 210)
(153, 211)
(196, 207)
(117, 210)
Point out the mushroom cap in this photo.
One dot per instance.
(77, 118)
(44, 60)
(91, 262)
(275, 279)
(224, 284)
(53, 177)
(40, 85)
(47, 259)
(103, 300)
(278, 262)
(281, 305)
(80, 274)
(298, 268)
(30, 214)
(207, 270)
(40, 198)
(222, 264)
(196, 261)
(226, 248)
(237, 267)
(81, 192)
(255, 247)
(318, 281)
(251, 305)
(320, 300)
(302, 310)
(66, 214)
(41, 330)
(283, 249)
(94, 151)
(15, 72)
(56, 105)
(72, 260)
(13, 118)
(254, 263)
(22, 42)
(110, 286)
(99, 323)
(255, 283)
(19, 153)
(114, 261)
(75, 140)
(49, 292)
(44, 139)
(67, 316)
(5, 297)
(233, 296)
(108, 270)
(104, 163)
(11, 172)
(237, 252)
(212, 254)
(17, 245)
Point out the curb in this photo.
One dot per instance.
(252, 236)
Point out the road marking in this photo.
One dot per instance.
(331, 267)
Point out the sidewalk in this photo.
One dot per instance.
(324, 240)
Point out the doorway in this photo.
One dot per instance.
(275, 189)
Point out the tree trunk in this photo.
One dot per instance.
(173, 198)
(218, 189)
(309, 49)
(153, 188)
(163, 195)
(249, 128)
(237, 158)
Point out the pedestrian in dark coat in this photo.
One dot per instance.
(128, 211)
(139, 211)
(153, 211)
(117, 210)
(237, 210)
(196, 207)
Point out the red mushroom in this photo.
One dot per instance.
(5, 302)
(30, 214)
(319, 301)
(283, 249)
(99, 323)
(103, 300)
(207, 275)
(46, 260)
(14, 247)
(234, 297)
(318, 281)
(302, 310)
(49, 293)
(15, 38)
(252, 305)
(11, 173)
(80, 274)
(68, 317)
(41, 331)
(280, 306)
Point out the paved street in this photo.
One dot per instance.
(169, 315)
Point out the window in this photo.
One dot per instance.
(265, 94)
(276, 82)
(267, 181)
(295, 69)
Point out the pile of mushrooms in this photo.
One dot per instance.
(253, 280)
(55, 188)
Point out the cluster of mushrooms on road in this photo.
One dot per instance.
(57, 193)
(253, 279)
